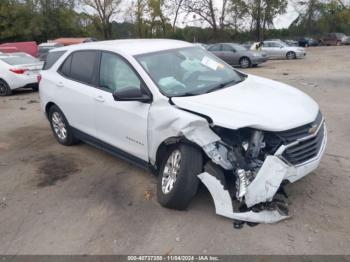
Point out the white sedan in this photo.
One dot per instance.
(279, 50)
(18, 70)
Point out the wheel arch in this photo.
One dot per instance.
(48, 106)
(172, 141)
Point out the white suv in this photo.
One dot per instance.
(182, 112)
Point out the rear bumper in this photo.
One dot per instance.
(19, 81)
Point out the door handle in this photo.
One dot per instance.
(99, 99)
(60, 84)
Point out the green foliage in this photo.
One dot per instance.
(42, 20)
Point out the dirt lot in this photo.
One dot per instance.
(80, 200)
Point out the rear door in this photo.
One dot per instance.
(76, 89)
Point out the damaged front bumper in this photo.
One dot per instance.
(263, 188)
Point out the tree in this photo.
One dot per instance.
(104, 11)
(140, 10)
(205, 9)
(155, 8)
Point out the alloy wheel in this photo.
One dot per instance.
(59, 126)
(170, 172)
(3, 88)
(245, 62)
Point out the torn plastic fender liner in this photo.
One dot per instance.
(267, 181)
(224, 207)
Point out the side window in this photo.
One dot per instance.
(83, 65)
(215, 48)
(227, 48)
(51, 59)
(116, 74)
(65, 67)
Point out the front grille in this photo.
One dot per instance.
(306, 149)
(299, 132)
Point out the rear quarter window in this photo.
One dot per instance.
(81, 66)
(51, 59)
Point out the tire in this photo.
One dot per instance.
(58, 124)
(291, 55)
(245, 62)
(185, 184)
(5, 89)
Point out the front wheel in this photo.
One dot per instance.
(291, 55)
(244, 62)
(178, 181)
(5, 89)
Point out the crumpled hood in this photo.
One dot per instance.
(256, 102)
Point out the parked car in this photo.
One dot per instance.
(18, 70)
(333, 39)
(307, 41)
(291, 42)
(44, 49)
(31, 48)
(237, 55)
(247, 45)
(346, 41)
(178, 110)
(280, 50)
(73, 40)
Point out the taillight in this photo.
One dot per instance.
(18, 71)
(38, 78)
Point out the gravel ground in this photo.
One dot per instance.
(80, 200)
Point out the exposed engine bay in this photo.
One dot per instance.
(247, 169)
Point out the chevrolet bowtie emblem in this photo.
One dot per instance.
(313, 129)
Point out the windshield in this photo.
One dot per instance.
(188, 71)
(19, 59)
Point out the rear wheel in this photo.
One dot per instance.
(5, 89)
(60, 127)
(244, 62)
(178, 181)
(291, 55)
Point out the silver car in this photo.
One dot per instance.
(237, 55)
(280, 50)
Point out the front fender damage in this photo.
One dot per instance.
(175, 122)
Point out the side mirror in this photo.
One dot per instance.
(131, 94)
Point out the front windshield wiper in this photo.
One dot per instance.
(223, 85)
